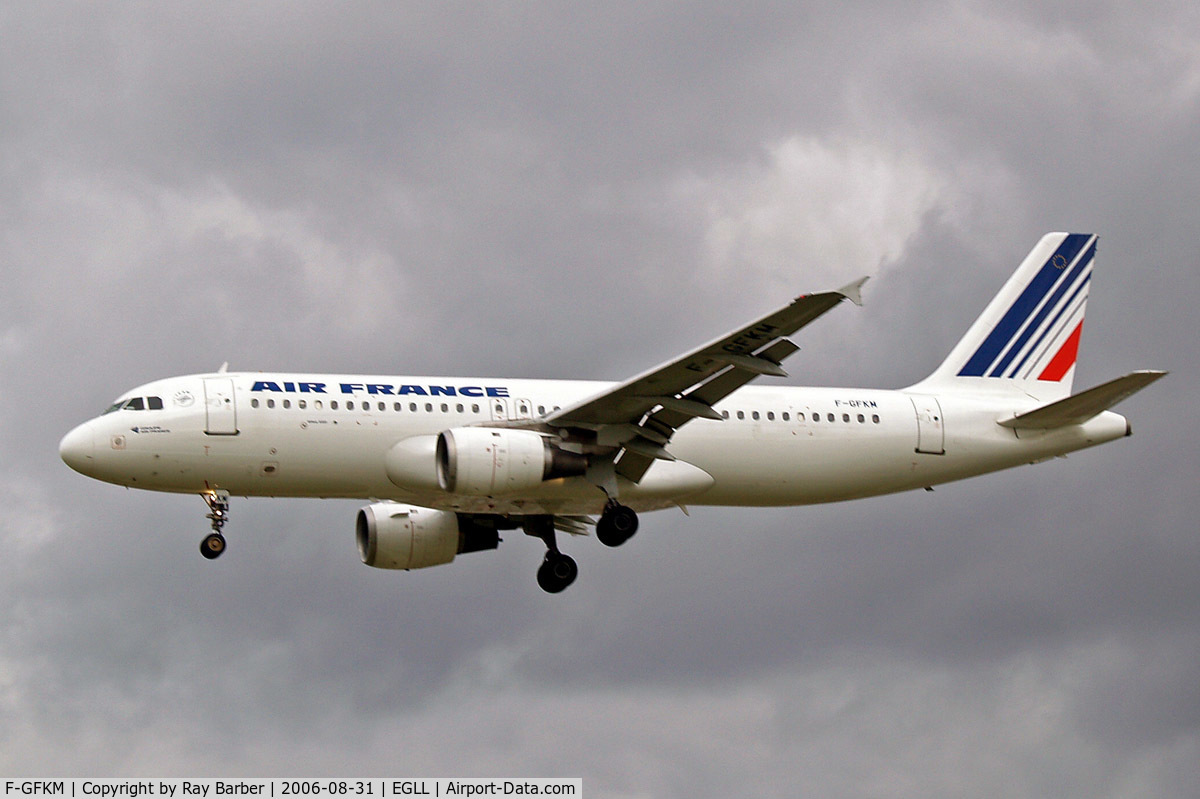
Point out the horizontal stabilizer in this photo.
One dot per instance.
(1078, 408)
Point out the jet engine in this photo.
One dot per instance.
(395, 536)
(485, 461)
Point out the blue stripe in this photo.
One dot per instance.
(1052, 327)
(1033, 326)
(1016, 315)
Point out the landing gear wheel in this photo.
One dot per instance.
(617, 525)
(218, 513)
(212, 546)
(557, 572)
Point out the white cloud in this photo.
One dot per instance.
(829, 211)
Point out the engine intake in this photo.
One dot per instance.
(394, 536)
(485, 461)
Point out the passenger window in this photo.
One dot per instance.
(412, 406)
(829, 417)
(875, 418)
(861, 418)
(459, 407)
(754, 415)
(317, 404)
(254, 402)
(349, 405)
(845, 417)
(287, 403)
(787, 417)
(429, 407)
(301, 404)
(270, 403)
(724, 414)
(333, 405)
(770, 416)
(397, 407)
(475, 408)
(741, 414)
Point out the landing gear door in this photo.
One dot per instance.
(219, 407)
(931, 435)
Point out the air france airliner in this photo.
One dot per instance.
(448, 463)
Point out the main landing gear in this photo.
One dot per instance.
(557, 570)
(218, 511)
(616, 525)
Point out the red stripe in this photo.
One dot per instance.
(1064, 359)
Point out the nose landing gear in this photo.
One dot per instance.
(218, 512)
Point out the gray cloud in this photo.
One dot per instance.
(530, 190)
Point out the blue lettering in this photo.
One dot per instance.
(390, 390)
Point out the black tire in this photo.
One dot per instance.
(617, 525)
(212, 546)
(556, 573)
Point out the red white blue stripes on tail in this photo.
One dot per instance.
(1028, 336)
(1039, 333)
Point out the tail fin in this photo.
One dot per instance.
(1028, 336)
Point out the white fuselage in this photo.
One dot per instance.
(262, 434)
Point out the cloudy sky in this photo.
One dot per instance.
(553, 190)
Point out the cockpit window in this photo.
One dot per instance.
(137, 404)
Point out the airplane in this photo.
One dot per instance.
(447, 464)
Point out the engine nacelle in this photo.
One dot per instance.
(486, 461)
(395, 536)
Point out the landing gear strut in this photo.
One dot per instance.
(616, 525)
(557, 570)
(218, 511)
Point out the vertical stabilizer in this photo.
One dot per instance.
(1028, 336)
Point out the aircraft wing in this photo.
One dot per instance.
(639, 415)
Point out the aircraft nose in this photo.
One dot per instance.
(78, 448)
